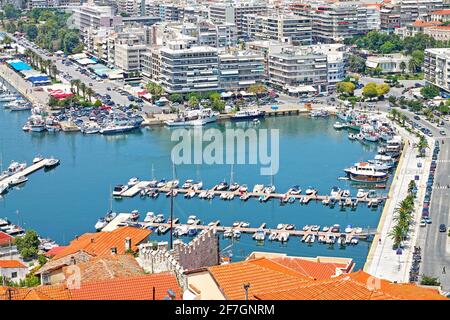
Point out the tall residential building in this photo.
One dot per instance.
(129, 7)
(390, 18)
(284, 28)
(411, 10)
(240, 69)
(89, 15)
(235, 12)
(129, 56)
(219, 35)
(165, 11)
(337, 59)
(298, 66)
(436, 68)
(185, 69)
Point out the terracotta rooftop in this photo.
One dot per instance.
(11, 264)
(312, 269)
(54, 251)
(100, 243)
(262, 274)
(133, 288)
(354, 286)
(109, 267)
(424, 24)
(441, 12)
(441, 28)
(5, 239)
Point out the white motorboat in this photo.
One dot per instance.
(259, 235)
(236, 224)
(149, 217)
(325, 229)
(160, 218)
(203, 194)
(3, 188)
(133, 181)
(234, 186)
(348, 229)
(18, 181)
(365, 172)
(101, 223)
(38, 159)
(280, 226)
(193, 118)
(230, 196)
(192, 220)
(361, 193)
(310, 191)
(119, 189)
(306, 228)
(15, 167)
(236, 234)
(245, 224)
(134, 215)
(248, 114)
(351, 136)
(335, 191)
(52, 162)
(228, 234)
(345, 193)
(338, 125)
(283, 237)
(243, 188)
(187, 184)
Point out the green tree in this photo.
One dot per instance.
(218, 105)
(429, 91)
(10, 11)
(193, 102)
(97, 103)
(370, 90)
(258, 89)
(356, 64)
(403, 66)
(28, 244)
(347, 88)
(382, 89)
(32, 32)
(176, 98)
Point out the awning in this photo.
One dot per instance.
(371, 64)
(302, 89)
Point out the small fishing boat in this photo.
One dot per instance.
(161, 183)
(134, 215)
(283, 236)
(193, 220)
(345, 193)
(51, 163)
(149, 217)
(228, 234)
(37, 159)
(243, 188)
(245, 224)
(230, 196)
(222, 186)
(100, 224)
(310, 191)
(315, 228)
(236, 224)
(335, 191)
(348, 229)
(236, 234)
(294, 190)
(234, 186)
(325, 229)
(119, 189)
(203, 194)
(290, 227)
(335, 228)
(187, 184)
(338, 125)
(160, 218)
(259, 235)
(361, 193)
(273, 235)
(133, 181)
(306, 228)
(280, 226)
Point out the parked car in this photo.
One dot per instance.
(443, 133)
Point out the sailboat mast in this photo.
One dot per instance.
(231, 175)
(153, 172)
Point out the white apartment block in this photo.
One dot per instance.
(130, 7)
(411, 10)
(284, 28)
(165, 11)
(220, 35)
(95, 16)
(240, 69)
(36, 4)
(128, 57)
(235, 12)
(436, 67)
(185, 69)
(337, 59)
(298, 67)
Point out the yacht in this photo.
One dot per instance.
(113, 129)
(15, 167)
(119, 189)
(133, 181)
(101, 223)
(52, 162)
(338, 125)
(248, 114)
(37, 159)
(335, 191)
(365, 172)
(193, 118)
(18, 181)
(3, 188)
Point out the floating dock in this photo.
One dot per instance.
(304, 199)
(27, 171)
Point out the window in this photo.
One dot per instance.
(13, 275)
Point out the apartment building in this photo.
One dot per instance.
(335, 22)
(240, 69)
(440, 15)
(440, 33)
(130, 7)
(39, 4)
(89, 15)
(284, 28)
(218, 35)
(337, 59)
(165, 11)
(369, 18)
(185, 69)
(390, 18)
(297, 67)
(234, 12)
(411, 10)
(129, 56)
(436, 68)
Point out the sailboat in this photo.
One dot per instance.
(233, 185)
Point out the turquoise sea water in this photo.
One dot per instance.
(68, 200)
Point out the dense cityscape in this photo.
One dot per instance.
(224, 150)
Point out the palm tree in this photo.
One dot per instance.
(396, 234)
(422, 145)
(89, 93)
(77, 84)
(403, 66)
(83, 90)
(413, 65)
(394, 113)
(403, 118)
(72, 85)
(54, 70)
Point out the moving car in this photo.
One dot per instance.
(442, 228)
(443, 133)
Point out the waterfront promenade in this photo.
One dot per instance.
(24, 87)
(382, 260)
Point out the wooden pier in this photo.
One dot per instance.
(296, 233)
(340, 198)
(27, 171)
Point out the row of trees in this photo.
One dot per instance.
(385, 43)
(403, 217)
(48, 29)
(44, 65)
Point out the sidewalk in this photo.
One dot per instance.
(383, 261)
(23, 86)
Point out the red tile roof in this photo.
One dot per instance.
(101, 242)
(354, 286)
(132, 288)
(424, 24)
(5, 239)
(312, 269)
(441, 12)
(54, 251)
(11, 264)
(262, 274)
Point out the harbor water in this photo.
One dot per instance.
(68, 200)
